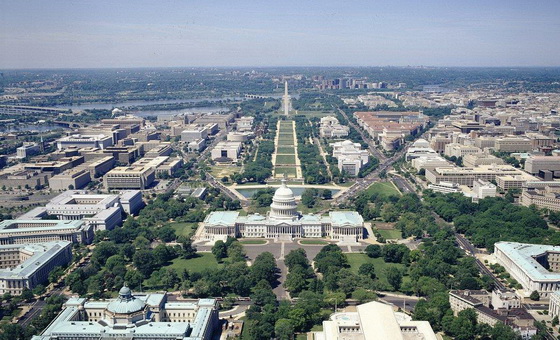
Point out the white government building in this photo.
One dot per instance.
(374, 320)
(129, 316)
(284, 221)
(535, 266)
(28, 265)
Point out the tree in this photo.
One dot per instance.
(327, 194)
(189, 251)
(394, 277)
(145, 262)
(363, 295)
(284, 329)
(264, 268)
(373, 250)
(219, 250)
(395, 253)
(368, 270)
(166, 234)
(26, 294)
(535, 296)
(309, 197)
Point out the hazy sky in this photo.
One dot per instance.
(139, 33)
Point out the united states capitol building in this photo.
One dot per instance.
(130, 316)
(284, 222)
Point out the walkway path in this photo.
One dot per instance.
(324, 155)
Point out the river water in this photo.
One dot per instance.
(109, 106)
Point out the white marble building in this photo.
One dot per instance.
(284, 221)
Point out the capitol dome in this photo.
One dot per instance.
(126, 303)
(284, 206)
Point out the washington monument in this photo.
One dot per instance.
(286, 100)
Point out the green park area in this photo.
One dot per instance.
(220, 171)
(314, 242)
(202, 262)
(356, 260)
(383, 189)
(286, 150)
(183, 228)
(389, 234)
(318, 114)
(286, 159)
(252, 242)
(289, 171)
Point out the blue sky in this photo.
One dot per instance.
(102, 33)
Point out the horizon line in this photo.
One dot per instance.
(267, 67)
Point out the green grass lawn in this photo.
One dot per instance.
(383, 188)
(252, 241)
(286, 143)
(285, 170)
(313, 242)
(356, 260)
(197, 264)
(220, 171)
(183, 228)
(390, 233)
(286, 159)
(285, 149)
(311, 114)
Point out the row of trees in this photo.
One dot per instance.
(312, 163)
(493, 219)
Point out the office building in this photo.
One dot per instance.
(23, 231)
(483, 189)
(134, 317)
(536, 267)
(226, 151)
(331, 128)
(196, 145)
(28, 150)
(513, 144)
(374, 320)
(476, 159)
(496, 307)
(70, 179)
(547, 197)
(124, 121)
(536, 164)
(131, 177)
(466, 176)
(29, 265)
(458, 150)
(444, 187)
(245, 124)
(351, 158)
(194, 132)
(80, 141)
(284, 222)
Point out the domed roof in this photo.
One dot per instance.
(283, 193)
(126, 303)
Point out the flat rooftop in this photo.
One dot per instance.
(523, 255)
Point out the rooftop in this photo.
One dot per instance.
(523, 255)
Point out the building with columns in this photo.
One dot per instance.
(284, 221)
(22, 231)
(28, 265)
(536, 267)
(134, 316)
